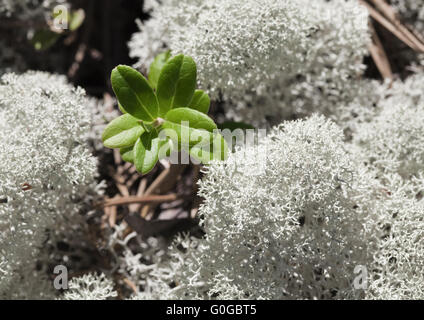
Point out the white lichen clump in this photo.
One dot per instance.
(90, 287)
(289, 218)
(266, 59)
(296, 227)
(397, 240)
(392, 137)
(47, 172)
(293, 232)
(390, 142)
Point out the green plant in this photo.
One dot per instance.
(162, 114)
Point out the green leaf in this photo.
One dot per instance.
(146, 151)
(122, 132)
(184, 136)
(121, 108)
(76, 18)
(127, 154)
(176, 83)
(188, 127)
(217, 150)
(156, 67)
(196, 119)
(200, 101)
(165, 148)
(231, 125)
(44, 39)
(134, 93)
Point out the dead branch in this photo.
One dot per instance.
(136, 199)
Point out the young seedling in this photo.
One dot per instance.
(162, 114)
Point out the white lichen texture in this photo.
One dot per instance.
(266, 59)
(294, 232)
(393, 138)
(336, 183)
(397, 240)
(90, 287)
(47, 173)
(390, 142)
(295, 221)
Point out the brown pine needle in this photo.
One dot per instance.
(140, 191)
(393, 29)
(131, 284)
(136, 199)
(391, 15)
(112, 216)
(379, 55)
(162, 184)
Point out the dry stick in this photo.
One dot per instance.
(117, 158)
(111, 213)
(105, 217)
(123, 169)
(112, 216)
(197, 200)
(379, 55)
(142, 186)
(155, 184)
(388, 25)
(385, 8)
(131, 284)
(140, 192)
(158, 181)
(118, 178)
(126, 166)
(163, 183)
(391, 14)
(119, 183)
(136, 199)
(419, 36)
(133, 177)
